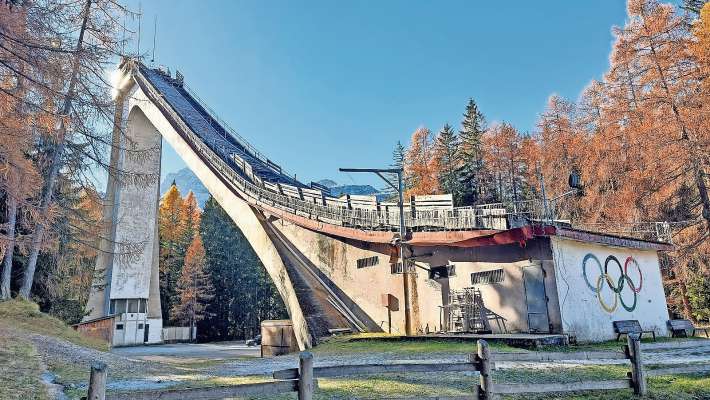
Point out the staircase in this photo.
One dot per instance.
(465, 312)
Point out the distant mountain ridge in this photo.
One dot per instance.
(185, 180)
(361, 190)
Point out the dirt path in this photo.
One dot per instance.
(150, 367)
(680, 352)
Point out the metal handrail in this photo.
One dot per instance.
(372, 219)
(251, 150)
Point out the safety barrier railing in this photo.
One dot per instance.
(370, 219)
(253, 151)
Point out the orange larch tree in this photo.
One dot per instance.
(194, 288)
(171, 229)
(420, 164)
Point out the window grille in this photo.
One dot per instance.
(368, 262)
(487, 277)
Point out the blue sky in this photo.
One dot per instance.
(319, 85)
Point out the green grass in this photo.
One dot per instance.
(20, 366)
(20, 370)
(459, 384)
(371, 343)
(24, 316)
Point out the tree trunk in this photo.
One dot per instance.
(7, 270)
(687, 307)
(703, 189)
(56, 164)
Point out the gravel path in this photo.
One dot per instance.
(128, 372)
(682, 352)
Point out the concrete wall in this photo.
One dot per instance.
(506, 298)
(362, 288)
(137, 212)
(240, 212)
(581, 311)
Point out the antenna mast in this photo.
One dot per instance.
(140, 16)
(155, 33)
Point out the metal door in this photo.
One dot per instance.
(536, 298)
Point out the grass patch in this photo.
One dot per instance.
(384, 343)
(20, 370)
(612, 345)
(677, 387)
(25, 316)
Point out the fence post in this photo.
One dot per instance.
(305, 376)
(483, 358)
(638, 375)
(97, 382)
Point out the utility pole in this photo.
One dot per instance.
(399, 187)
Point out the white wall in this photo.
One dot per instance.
(136, 213)
(581, 312)
(240, 212)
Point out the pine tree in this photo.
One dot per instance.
(471, 170)
(244, 293)
(171, 229)
(194, 288)
(447, 153)
(399, 155)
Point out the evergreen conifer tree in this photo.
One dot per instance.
(471, 170)
(399, 155)
(446, 151)
(244, 292)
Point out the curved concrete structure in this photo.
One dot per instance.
(333, 260)
(145, 123)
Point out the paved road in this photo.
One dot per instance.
(181, 351)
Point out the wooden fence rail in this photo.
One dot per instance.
(302, 379)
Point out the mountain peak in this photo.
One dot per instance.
(186, 181)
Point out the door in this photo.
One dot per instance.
(536, 299)
(145, 333)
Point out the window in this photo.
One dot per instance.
(119, 327)
(487, 277)
(142, 305)
(368, 262)
(443, 271)
(120, 306)
(112, 307)
(140, 326)
(132, 305)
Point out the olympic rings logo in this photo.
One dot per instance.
(597, 285)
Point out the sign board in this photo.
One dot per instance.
(390, 301)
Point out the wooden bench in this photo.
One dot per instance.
(680, 328)
(631, 326)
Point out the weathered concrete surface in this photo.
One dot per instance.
(240, 212)
(581, 311)
(129, 260)
(506, 298)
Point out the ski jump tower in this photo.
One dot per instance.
(333, 260)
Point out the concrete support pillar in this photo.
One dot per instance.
(127, 266)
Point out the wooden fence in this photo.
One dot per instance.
(303, 379)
